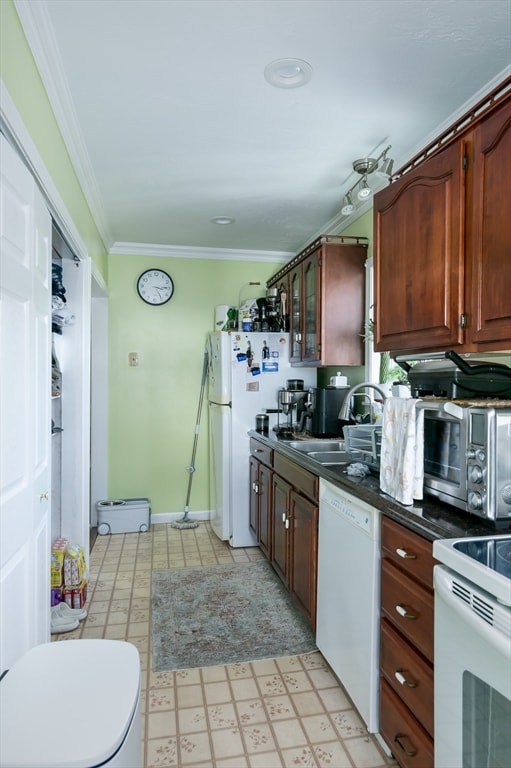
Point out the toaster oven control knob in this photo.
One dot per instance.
(475, 500)
(476, 474)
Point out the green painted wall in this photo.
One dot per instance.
(21, 78)
(153, 407)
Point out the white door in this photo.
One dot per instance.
(25, 433)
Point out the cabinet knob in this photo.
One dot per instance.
(404, 612)
(403, 681)
(44, 496)
(406, 555)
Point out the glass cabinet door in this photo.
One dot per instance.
(311, 308)
(295, 315)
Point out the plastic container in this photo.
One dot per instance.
(123, 515)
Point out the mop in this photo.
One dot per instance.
(185, 521)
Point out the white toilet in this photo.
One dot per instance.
(72, 704)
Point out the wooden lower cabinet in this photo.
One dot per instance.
(408, 674)
(260, 495)
(280, 528)
(407, 646)
(408, 741)
(303, 554)
(295, 533)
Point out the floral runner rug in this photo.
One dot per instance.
(223, 614)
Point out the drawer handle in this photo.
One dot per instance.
(404, 554)
(410, 750)
(404, 612)
(258, 450)
(402, 679)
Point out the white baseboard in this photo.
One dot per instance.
(171, 517)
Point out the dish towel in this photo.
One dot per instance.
(402, 450)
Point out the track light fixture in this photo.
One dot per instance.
(348, 206)
(364, 191)
(366, 166)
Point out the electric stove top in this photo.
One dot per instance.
(485, 561)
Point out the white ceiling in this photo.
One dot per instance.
(169, 120)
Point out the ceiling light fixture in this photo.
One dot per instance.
(348, 206)
(366, 166)
(364, 190)
(385, 169)
(288, 73)
(222, 220)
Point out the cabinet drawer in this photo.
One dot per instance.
(409, 607)
(262, 452)
(302, 480)
(408, 551)
(409, 742)
(409, 675)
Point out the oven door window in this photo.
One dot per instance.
(442, 444)
(486, 719)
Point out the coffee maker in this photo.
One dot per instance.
(293, 404)
(325, 407)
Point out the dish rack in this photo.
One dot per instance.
(363, 443)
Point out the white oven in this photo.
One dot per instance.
(473, 653)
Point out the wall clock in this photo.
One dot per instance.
(155, 286)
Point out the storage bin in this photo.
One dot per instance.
(123, 515)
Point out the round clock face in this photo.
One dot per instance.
(155, 286)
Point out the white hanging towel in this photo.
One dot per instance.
(402, 450)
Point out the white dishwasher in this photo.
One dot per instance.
(348, 595)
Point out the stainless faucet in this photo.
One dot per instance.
(344, 412)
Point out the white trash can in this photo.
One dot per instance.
(123, 515)
(73, 704)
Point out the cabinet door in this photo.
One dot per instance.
(311, 320)
(253, 497)
(419, 256)
(265, 510)
(489, 230)
(281, 524)
(295, 314)
(304, 545)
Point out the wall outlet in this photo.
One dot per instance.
(133, 359)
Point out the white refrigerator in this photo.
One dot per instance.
(245, 373)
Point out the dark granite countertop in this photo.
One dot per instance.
(430, 518)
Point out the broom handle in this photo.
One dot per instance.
(191, 468)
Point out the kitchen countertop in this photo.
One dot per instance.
(430, 518)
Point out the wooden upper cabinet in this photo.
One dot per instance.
(326, 301)
(419, 256)
(442, 251)
(489, 230)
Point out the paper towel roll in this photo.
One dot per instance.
(221, 317)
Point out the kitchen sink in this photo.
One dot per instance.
(308, 446)
(330, 457)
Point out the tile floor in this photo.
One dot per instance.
(278, 713)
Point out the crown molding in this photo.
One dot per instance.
(16, 132)
(35, 20)
(197, 252)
